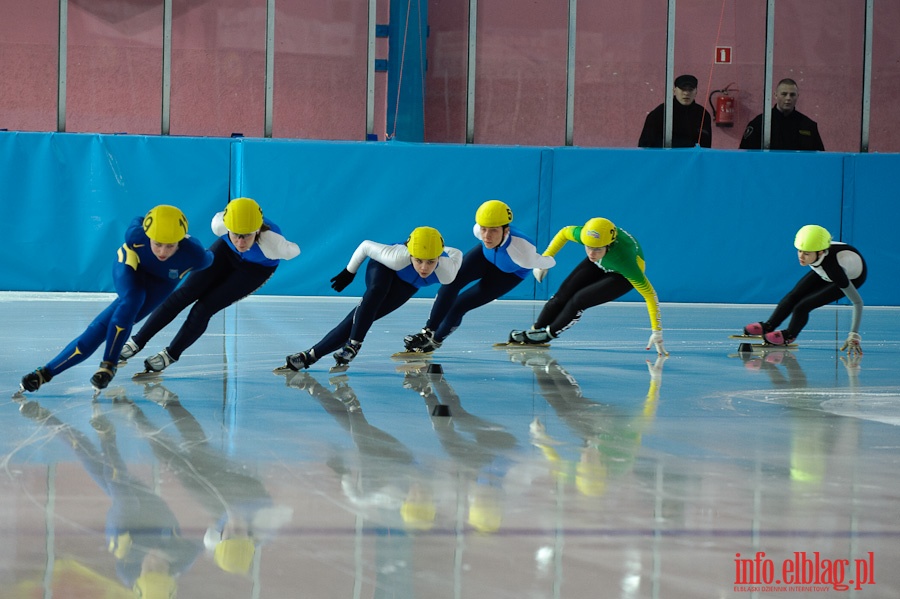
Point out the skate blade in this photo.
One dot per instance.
(757, 337)
(513, 345)
(145, 375)
(19, 395)
(338, 368)
(762, 348)
(412, 355)
(285, 369)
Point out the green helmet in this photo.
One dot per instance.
(165, 224)
(243, 216)
(812, 238)
(493, 213)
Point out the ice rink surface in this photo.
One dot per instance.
(590, 469)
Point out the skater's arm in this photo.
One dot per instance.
(218, 224)
(854, 297)
(564, 235)
(449, 265)
(394, 257)
(275, 247)
(523, 253)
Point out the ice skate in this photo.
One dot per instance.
(128, 351)
(155, 364)
(530, 337)
(422, 342)
(33, 380)
(778, 338)
(103, 376)
(296, 362)
(344, 356)
(755, 329)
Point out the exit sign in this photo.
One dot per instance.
(723, 54)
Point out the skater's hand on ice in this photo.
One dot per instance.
(656, 339)
(341, 280)
(851, 345)
(539, 273)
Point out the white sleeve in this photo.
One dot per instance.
(523, 253)
(218, 224)
(448, 266)
(275, 247)
(395, 257)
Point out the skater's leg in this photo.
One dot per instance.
(234, 287)
(384, 294)
(493, 285)
(474, 266)
(610, 287)
(803, 307)
(187, 293)
(582, 276)
(85, 344)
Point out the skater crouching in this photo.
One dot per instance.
(494, 267)
(837, 270)
(393, 275)
(614, 265)
(249, 249)
(156, 256)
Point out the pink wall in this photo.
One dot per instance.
(218, 71)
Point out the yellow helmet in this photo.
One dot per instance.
(598, 233)
(812, 238)
(235, 555)
(493, 213)
(165, 224)
(242, 216)
(425, 243)
(418, 514)
(155, 585)
(485, 513)
(590, 478)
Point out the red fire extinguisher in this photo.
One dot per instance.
(723, 111)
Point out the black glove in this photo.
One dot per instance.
(340, 282)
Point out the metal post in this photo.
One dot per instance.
(370, 71)
(270, 67)
(570, 73)
(166, 67)
(62, 57)
(767, 87)
(670, 76)
(867, 77)
(470, 72)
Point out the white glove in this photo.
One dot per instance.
(851, 345)
(539, 273)
(656, 339)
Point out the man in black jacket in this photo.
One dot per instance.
(691, 123)
(791, 129)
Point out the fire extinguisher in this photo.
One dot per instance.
(723, 111)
